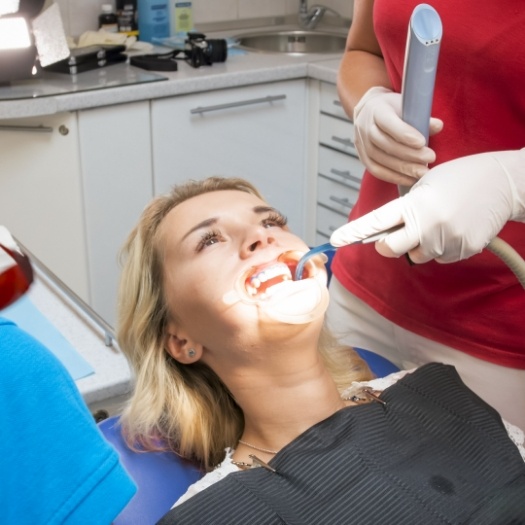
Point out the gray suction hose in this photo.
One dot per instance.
(509, 256)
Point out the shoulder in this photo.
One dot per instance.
(219, 473)
(379, 384)
(20, 349)
(38, 396)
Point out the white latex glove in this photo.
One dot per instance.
(452, 213)
(391, 149)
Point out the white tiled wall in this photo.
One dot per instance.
(82, 15)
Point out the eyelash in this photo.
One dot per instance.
(206, 237)
(273, 219)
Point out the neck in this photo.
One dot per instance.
(284, 402)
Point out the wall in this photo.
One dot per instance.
(82, 15)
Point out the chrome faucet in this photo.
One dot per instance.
(309, 18)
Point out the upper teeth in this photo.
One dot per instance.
(278, 269)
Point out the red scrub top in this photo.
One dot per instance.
(476, 305)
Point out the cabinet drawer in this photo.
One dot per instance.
(327, 222)
(330, 101)
(338, 197)
(337, 133)
(340, 167)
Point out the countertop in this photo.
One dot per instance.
(238, 70)
(112, 375)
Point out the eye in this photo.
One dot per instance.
(209, 238)
(275, 219)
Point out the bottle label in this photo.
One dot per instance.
(154, 22)
(183, 17)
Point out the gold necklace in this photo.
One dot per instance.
(273, 452)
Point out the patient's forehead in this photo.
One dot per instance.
(221, 199)
(188, 214)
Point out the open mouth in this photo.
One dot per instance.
(260, 280)
(279, 298)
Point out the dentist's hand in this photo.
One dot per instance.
(452, 213)
(391, 149)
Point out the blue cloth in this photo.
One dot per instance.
(55, 466)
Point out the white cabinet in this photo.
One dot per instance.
(72, 186)
(41, 194)
(256, 132)
(339, 169)
(115, 145)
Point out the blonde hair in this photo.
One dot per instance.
(184, 408)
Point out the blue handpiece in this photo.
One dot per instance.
(326, 247)
(421, 57)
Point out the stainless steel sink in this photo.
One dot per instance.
(293, 42)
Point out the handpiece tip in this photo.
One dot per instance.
(302, 261)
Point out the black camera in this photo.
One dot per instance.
(201, 51)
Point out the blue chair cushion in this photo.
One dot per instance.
(161, 478)
(379, 365)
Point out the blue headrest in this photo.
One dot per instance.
(161, 478)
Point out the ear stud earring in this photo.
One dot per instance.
(191, 352)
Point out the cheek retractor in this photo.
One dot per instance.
(288, 301)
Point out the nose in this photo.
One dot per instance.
(257, 239)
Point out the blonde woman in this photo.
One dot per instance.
(233, 369)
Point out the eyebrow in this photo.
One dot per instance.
(213, 220)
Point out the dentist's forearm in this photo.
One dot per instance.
(358, 72)
(362, 65)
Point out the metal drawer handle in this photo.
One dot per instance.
(344, 142)
(346, 175)
(330, 229)
(342, 202)
(38, 129)
(264, 100)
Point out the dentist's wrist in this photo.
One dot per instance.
(371, 93)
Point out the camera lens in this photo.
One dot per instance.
(217, 50)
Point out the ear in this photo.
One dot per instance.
(180, 347)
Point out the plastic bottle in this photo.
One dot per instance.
(107, 20)
(181, 17)
(154, 20)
